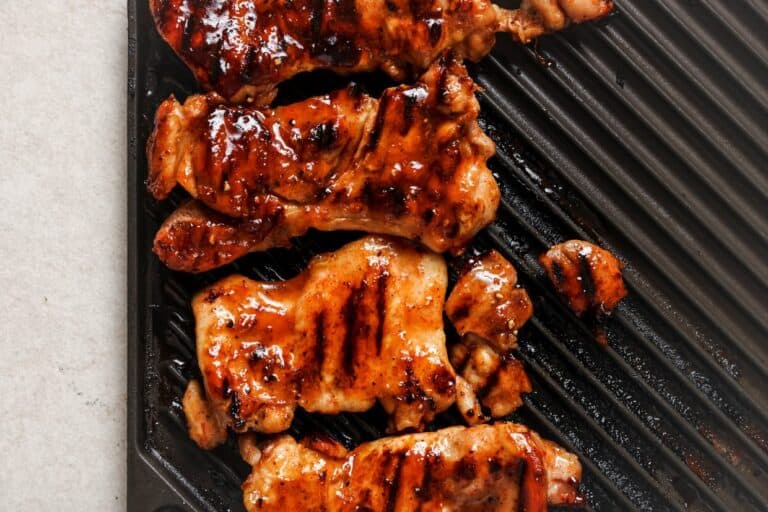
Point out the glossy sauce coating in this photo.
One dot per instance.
(244, 49)
(487, 301)
(359, 325)
(487, 308)
(412, 164)
(502, 467)
(587, 276)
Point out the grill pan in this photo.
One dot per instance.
(645, 133)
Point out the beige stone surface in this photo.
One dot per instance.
(62, 255)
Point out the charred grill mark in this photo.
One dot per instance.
(187, 31)
(587, 282)
(394, 483)
(442, 79)
(381, 308)
(346, 10)
(316, 21)
(324, 135)
(435, 29)
(424, 492)
(353, 327)
(378, 124)
(467, 468)
(245, 72)
(518, 471)
(234, 411)
(443, 381)
(412, 99)
(461, 312)
(557, 273)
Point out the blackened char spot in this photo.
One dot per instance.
(212, 294)
(234, 411)
(587, 282)
(381, 308)
(378, 124)
(245, 72)
(353, 327)
(424, 491)
(467, 468)
(346, 10)
(394, 483)
(461, 312)
(443, 381)
(557, 273)
(413, 97)
(435, 27)
(316, 19)
(187, 31)
(325, 134)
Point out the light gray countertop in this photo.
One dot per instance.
(63, 250)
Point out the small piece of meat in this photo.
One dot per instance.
(204, 427)
(487, 308)
(411, 164)
(588, 277)
(504, 467)
(487, 301)
(359, 325)
(243, 50)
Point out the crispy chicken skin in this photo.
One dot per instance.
(587, 276)
(245, 49)
(412, 163)
(502, 467)
(487, 308)
(358, 325)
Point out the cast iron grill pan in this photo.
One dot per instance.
(645, 133)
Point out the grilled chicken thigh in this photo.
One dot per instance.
(412, 163)
(245, 49)
(502, 467)
(358, 325)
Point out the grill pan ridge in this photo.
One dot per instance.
(646, 133)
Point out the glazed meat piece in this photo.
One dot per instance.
(587, 276)
(502, 467)
(245, 49)
(410, 164)
(488, 303)
(358, 325)
(487, 307)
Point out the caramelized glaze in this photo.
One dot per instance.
(487, 308)
(412, 163)
(588, 278)
(503, 467)
(360, 325)
(244, 49)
